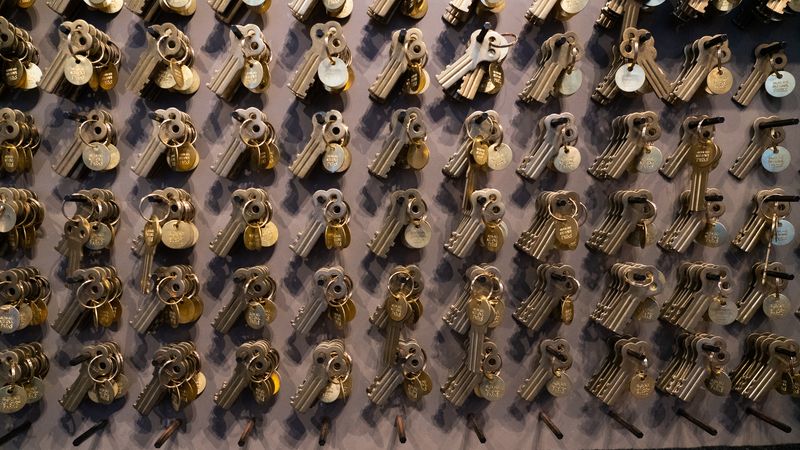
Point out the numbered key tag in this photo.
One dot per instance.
(332, 72)
(499, 156)
(567, 313)
(559, 385)
(776, 159)
(568, 233)
(719, 383)
(492, 389)
(255, 316)
(784, 233)
(570, 82)
(334, 158)
(647, 311)
(722, 312)
(719, 81)
(417, 235)
(78, 70)
(567, 160)
(780, 84)
(269, 234)
(714, 235)
(630, 77)
(650, 160)
(96, 157)
(776, 306)
(33, 75)
(642, 385)
(252, 74)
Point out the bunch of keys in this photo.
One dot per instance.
(768, 221)
(481, 223)
(703, 156)
(405, 69)
(19, 141)
(701, 292)
(152, 10)
(246, 64)
(702, 227)
(327, 144)
(629, 218)
(766, 12)
(257, 365)
(769, 362)
(703, 65)
(174, 135)
(175, 300)
(406, 368)
(553, 294)
(22, 372)
(697, 360)
(404, 146)
(171, 222)
(458, 12)
(550, 372)
(328, 378)
(480, 68)
(768, 281)
(176, 371)
(92, 226)
(456, 315)
(69, 8)
(336, 9)
(332, 294)
(24, 295)
(94, 147)
(253, 300)
(251, 219)
(631, 148)
(696, 130)
(227, 11)
(165, 65)
(253, 142)
(626, 368)
(401, 309)
(561, 10)
(408, 213)
(21, 215)
(330, 218)
(768, 134)
(97, 293)
(87, 57)
(556, 74)
(328, 62)
(485, 382)
(555, 226)
(553, 149)
(768, 72)
(689, 10)
(623, 12)
(101, 377)
(382, 11)
(20, 58)
(481, 148)
(634, 69)
(629, 294)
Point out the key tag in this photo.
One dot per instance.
(714, 235)
(776, 306)
(567, 313)
(721, 311)
(720, 80)
(647, 310)
(775, 159)
(567, 228)
(572, 78)
(559, 385)
(332, 71)
(642, 385)
(779, 83)
(651, 158)
(568, 157)
(631, 77)
(782, 233)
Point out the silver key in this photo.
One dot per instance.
(309, 236)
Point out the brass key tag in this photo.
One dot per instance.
(269, 234)
(642, 385)
(560, 384)
(722, 312)
(776, 306)
(252, 237)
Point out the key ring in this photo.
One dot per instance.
(153, 198)
(74, 198)
(328, 35)
(170, 300)
(161, 53)
(573, 215)
(635, 55)
(507, 44)
(95, 302)
(264, 135)
(407, 281)
(174, 145)
(492, 122)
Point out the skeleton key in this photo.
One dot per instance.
(768, 134)
(406, 127)
(486, 46)
(768, 71)
(407, 50)
(309, 236)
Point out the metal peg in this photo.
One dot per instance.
(549, 423)
(168, 432)
(400, 424)
(16, 431)
(90, 432)
(625, 424)
(324, 429)
(473, 424)
(778, 123)
(704, 426)
(775, 423)
(248, 428)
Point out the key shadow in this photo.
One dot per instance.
(298, 425)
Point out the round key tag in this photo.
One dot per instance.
(492, 389)
(100, 237)
(108, 77)
(780, 84)
(570, 82)
(14, 73)
(252, 74)
(568, 233)
(255, 316)
(114, 156)
(642, 385)
(12, 398)
(499, 156)
(784, 233)
(331, 393)
(96, 156)
(164, 79)
(269, 234)
(776, 159)
(722, 312)
(719, 81)
(776, 306)
(559, 385)
(568, 159)
(9, 319)
(725, 6)
(334, 157)
(332, 72)
(200, 382)
(719, 383)
(573, 7)
(113, 6)
(647, 311)
(177, 234)
(630, 78)
(78, 70)
(33, 75)
(417, 156)
(25, 315)
(653, 3)
(8, 219)
(417, 235)
(714, 235)
(650, 160)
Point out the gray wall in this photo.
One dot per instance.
(509, 423)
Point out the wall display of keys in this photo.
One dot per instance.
(459, 12)
(94, 148)
(405, 69)
(173, 137)
(96, 294)
(21, 216)
(92, 226)
(176, 374)
(251, 220)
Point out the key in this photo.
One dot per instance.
(383, 10)
(480, 314)
(408, 364)
(77, 235)
(699, 66)
(486, 205)
(486, 46)
(97, 367)
(239, 381)
(330, 283)
(328, 62)
(316, 378)
(231, 312)
(328, 129)
(770, 59)
(309, 236)
(405, 128)
(556, 58)
(396, 218)
(554, 357)
(768, 134)
(555, 146)
(408, 56)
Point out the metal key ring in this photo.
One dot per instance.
(254, 144)
(574, 212)
(109, 377)
(153, 198)
(98, 302)
(507, 45)
(492, 122)
(328, 35)
(262, 221)
(178, 144)
(407, 281)
(161, 54)
(68, 199)
(635, 56)
(169, 301)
